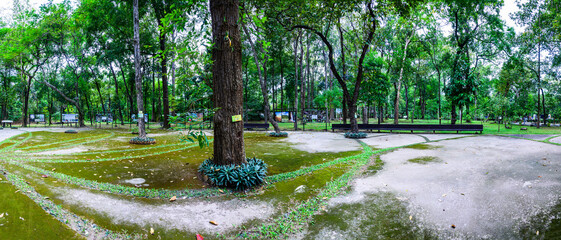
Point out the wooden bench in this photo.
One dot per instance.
(412, 127)
(251, 126)
(7, 122)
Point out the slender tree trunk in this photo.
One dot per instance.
(302, 81)
(117, 96)
(227, 82)
(127, 91)
(281, 84)
(295, 115)
(262, 80)
(165, 94)
(137, 74)
(398, 83)
(154, 115)
(344, 68)
(26, 100)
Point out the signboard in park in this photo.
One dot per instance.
(280, 116)
(103, 118)
(70, 118)
(40, 118)
(133, 117)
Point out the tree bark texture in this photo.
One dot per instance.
(227, 82)
(137, 73)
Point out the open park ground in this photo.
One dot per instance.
(320, 185)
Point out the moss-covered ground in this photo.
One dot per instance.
(39, 168)
(104, 162)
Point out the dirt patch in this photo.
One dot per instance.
(556, 140)
(185, 215)
(77, 149)
(393, 140)
(321, 142)
(486, 186)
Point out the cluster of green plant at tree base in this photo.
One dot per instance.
(142, 140)
(278, 134)
(355, 135)
(238, 177)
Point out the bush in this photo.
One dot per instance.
(280, 134)
(71, 131)
(238, 177)
(142, 141)
(355, 135)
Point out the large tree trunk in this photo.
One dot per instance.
(227, 82)
(454, 115)
(137, 73)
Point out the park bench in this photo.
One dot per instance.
(412, 127)
(7, 122)
(251, 126)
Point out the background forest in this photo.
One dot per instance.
(454, 60)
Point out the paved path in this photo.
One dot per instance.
(488, 187)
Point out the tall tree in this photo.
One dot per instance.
(137, 72)
(261, 58)
(474, 23)
(227, 82)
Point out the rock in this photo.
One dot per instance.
(172, 199)
(136, 181)
(300, 189)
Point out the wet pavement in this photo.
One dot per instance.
(484, 187)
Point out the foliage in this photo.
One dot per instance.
(142, 140)
(279, 134)
(239, 177)
(355, 135)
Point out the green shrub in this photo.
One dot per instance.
(238, 177)
(280, 134)
(70, 131)
(142, 141)
(355, 135)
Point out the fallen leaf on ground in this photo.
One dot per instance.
(2, 215)
(173, 199)
(220, 190)
(213, 223)
(44, 176)
(453, 226)
(537, 232)
(410, 217)
(151, 231)
(200, 237)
